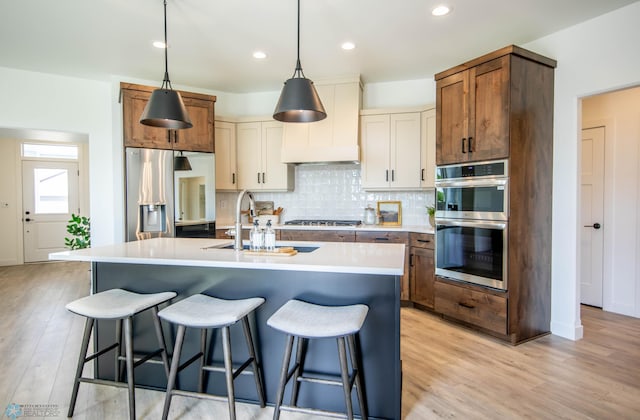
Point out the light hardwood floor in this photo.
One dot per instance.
(448, 371)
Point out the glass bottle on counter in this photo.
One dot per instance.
(269, 238)
(256, 237)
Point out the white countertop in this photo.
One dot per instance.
(361, 227)
(330, 257)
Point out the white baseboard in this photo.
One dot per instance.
(569, 331)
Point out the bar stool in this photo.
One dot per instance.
(119, 305)
(303, 321)
(206, 312)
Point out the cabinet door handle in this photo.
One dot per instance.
(469, 143)
(463, 140)
(263, 181)
(466, 305)
(168, 136)
(233, 178)
(386, 175)
(411, 260)
(175, 136)
(393, 175)
(258, 177)
(422, 174)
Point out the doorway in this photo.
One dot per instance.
(50, 194)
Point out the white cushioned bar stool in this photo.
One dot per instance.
(305, 321)
(206, 312)
(118, 305)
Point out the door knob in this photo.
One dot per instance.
(595, 226)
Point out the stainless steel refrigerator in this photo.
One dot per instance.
(161, 202)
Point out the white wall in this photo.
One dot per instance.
(39, 101)
(619, 112)
(596, 56)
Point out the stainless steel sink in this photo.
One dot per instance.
(301, 249)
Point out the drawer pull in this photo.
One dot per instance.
(425, 241)
(382, 239)
(466, 305)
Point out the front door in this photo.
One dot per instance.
(592, 209)
(49, 196)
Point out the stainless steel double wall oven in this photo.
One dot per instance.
(472, 222)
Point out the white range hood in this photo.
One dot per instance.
(334, 139)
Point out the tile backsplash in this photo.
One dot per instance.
(330, 192)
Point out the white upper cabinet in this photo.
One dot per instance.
(258, 157)
(391, 151)
(225, 146)
(334, 139)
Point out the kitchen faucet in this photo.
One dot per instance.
(238, 229)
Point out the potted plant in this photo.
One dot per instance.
(80, 228)
(431, 211)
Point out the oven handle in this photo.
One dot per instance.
(471, 223)
(494, 182)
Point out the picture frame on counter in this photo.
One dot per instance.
(390, 213)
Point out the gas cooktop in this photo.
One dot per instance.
(322, 222)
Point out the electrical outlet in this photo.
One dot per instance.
(223, 204)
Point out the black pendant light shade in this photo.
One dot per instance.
(165, 107)
(181, 163)
(299, 101)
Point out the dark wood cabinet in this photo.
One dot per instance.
(500, 106)
(477, 104)
(421, 269)
(479, 308)
(199, 138)
(391, 237)
(317, 235)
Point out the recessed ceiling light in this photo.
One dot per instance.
(440, 11)
(158, 44)
(348, 46)
(259, 55)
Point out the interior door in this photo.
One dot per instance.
(49, 196)
(592, 209)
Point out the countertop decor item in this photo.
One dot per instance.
(390, 212)
(165, 107)
(431, 211)
(299, 101)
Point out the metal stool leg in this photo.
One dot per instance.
(88, 326)
(356, 363)
(118, 367)
(344, 370)
(257, 368)
(203, 359)
(283, 376)
(161, 340)
(301, 352)
(173, 372)
(128, 349)
(228, 371)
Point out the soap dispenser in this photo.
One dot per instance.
(256, 237)
(269, 238)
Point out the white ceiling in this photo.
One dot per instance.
(212, 41)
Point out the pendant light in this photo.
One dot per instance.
(181, 163)
(165, 107)
(299, 101)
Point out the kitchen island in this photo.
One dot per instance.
(330, 274)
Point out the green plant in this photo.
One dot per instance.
(431, 211)
(80, 228)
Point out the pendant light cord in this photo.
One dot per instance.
(298, 71)
(166, 83)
